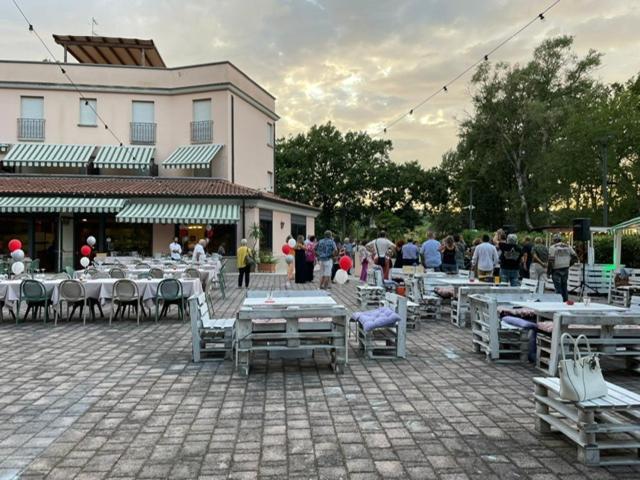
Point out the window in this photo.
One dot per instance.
(143, 112)
(143, 127)
(88, 109)
(202, 125)
(270, 181)
(31, 121)
(298, 226)
(271, 132)
(266, 227)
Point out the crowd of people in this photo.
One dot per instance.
(500, 257)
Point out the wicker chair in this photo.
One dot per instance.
(72, 292)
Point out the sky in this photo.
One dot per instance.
(357, 63)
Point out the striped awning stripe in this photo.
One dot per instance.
(60, 205)
(192, 156)
(179, 213)
(48, 155)
(125, 156)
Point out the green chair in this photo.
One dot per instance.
(169, 293)
(34, 266)
(70, 271)
(4, 268)
(35, 295)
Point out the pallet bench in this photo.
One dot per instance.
(460, 309)
(606, 430)
(386, 342)
(211, 338)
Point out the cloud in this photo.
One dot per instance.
(358, 63)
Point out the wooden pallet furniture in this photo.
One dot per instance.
(605, 430)
(372, 294)
(386, 342)
(614, 335)
(211, 338)
(622, 295)
(460, 312)
(487, 333)
(282, 322)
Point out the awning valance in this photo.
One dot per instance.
(192, 156)
(125, 156)
(48, 155)
(60, 205)
(179, 213)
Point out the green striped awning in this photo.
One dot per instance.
(125, 156)
(48, 155)
(60, 205)
(179, 213)
(192, 156)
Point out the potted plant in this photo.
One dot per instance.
(266, 262)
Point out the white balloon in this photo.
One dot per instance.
(289, 259)
(84, 261)
(91, 240)
(17, 268)
(18, 255)
(341, 277)
(291, 243)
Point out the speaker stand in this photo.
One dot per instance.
(583, 284)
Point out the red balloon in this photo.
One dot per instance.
(85, 251)
(286, 249)
(346, 263)
(14, 244)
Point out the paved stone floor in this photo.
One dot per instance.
(96, 402)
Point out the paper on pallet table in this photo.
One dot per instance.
(577, 307)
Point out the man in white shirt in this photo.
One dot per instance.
(380, 246)
(175, 249)
(198, 251)
(485, 258)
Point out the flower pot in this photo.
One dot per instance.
(267, 267)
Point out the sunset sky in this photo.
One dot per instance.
(358, 63)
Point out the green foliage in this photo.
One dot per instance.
(603, 245)
(266, 257)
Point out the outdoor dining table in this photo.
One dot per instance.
(548, 309)
(10, 289)
(288, 322)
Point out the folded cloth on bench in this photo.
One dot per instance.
(444, 292)
(380, 317)
(546, 326)
(526, 313)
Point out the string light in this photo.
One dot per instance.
(484, 58)
(69, 79)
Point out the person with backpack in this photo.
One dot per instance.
(510, 256)
(561, 257)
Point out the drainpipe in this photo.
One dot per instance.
(244, 229)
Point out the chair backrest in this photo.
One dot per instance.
(142, 265)
(61, 276)
(32, 289)
(100, 274)
(169, 289)
(69, 270)
(72, 290)
(377, 277)
(635, 302)
(125, 289)
(91, 271)
(530, 284)
(192, 273)
(35, 265)
(156, 273)
(116, 272)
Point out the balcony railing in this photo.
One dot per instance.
(31, 129)
(143, 133)
(202, 132)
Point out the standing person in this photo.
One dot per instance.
(449, 251)
(198, 251)
(461, 248)
(510, 255)
(300, 253)
(175, 249)
(340, 252)
(485, 258)
(410, 253)
(364, 255)
(221, 250)
(398, 251)
(310, 257)
(243, 268)
(431, 256)
(539, 261)
(561, 257)
(379, 246)
(525, 262)
(325, 251)
(349, 248)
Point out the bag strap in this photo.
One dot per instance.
(586, 340)
(571, 340)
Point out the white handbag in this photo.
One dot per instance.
(581, 377)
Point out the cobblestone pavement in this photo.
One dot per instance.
(96, 402)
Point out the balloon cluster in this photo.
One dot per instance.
(85, 251)
(287, 248)
(342, 275)
(17, 254)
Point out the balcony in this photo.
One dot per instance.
(31, 129)
(143, 133)
(202, 132)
